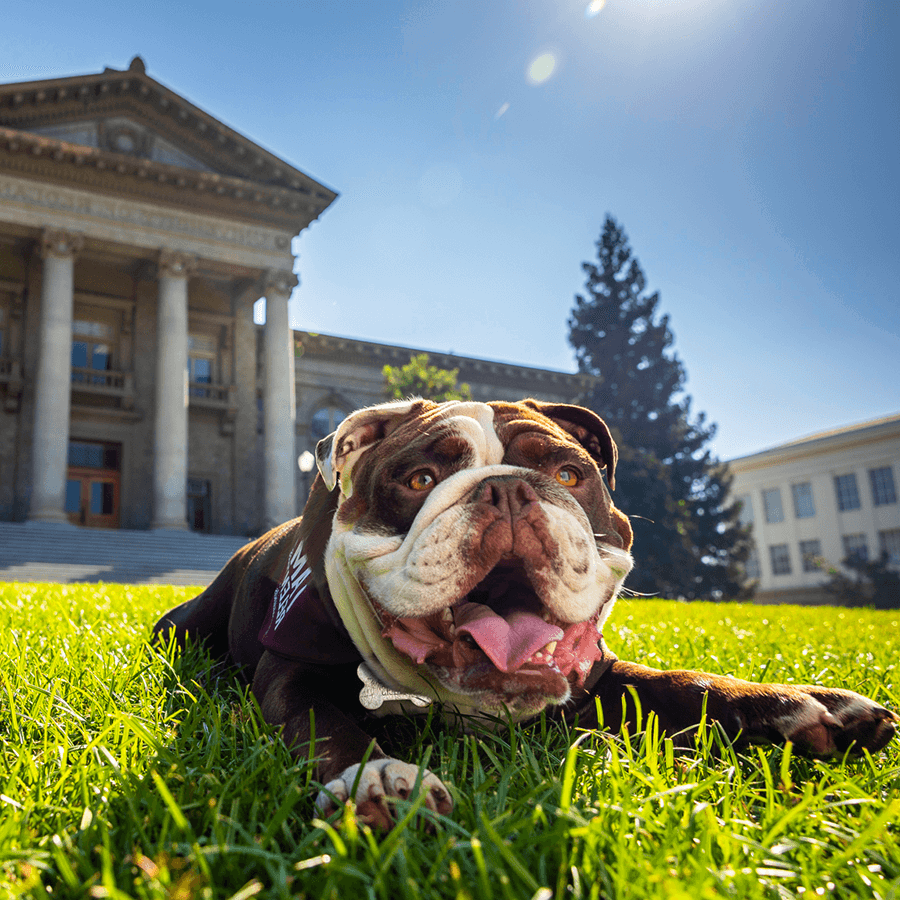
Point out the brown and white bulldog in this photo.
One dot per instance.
(466, 554)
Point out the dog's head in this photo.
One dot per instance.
(476, 544)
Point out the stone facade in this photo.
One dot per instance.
(136, 234)
(827, 496)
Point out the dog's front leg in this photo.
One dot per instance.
(819, 721)
(288, 692)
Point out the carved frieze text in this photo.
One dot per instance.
(137, 222)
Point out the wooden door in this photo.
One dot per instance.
(92, 497)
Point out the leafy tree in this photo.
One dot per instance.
(688, 541)
(419, 379)
(870, 583)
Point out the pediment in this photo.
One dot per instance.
(128, 112)
(124, 134)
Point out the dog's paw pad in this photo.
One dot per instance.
(379, 780)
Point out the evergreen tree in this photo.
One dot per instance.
(419, 379)
(687, 541)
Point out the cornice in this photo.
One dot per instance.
(838, 441)
(60, 162)
(344, 349)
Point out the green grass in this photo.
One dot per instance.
(124, 774)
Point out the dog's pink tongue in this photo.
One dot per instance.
(508, 642)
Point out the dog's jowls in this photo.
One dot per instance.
(466, 554)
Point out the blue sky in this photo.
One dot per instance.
(750, 150)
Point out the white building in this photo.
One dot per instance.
(827, 496)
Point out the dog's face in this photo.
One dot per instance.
(484, 539)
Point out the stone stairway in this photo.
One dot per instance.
(33, 551)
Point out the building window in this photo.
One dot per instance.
(847, 493)
(93, 344)
(202, 357)
(751, 566)
(325, 421)
(810, 553)
(804, 508)
(781, 559)
(745, 504)
(855, 547)
(883, 488)
(89, 455)
(889, 544)
(772, 506)
(199, 514)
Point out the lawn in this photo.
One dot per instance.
(125, 774)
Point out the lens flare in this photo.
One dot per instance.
(541, 68)
(593, 8)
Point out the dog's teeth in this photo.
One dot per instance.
(550, 648)
(447, 615)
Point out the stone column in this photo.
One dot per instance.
(53, 380)
(278, 402)
(171, 421)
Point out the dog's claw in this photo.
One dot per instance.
(380, 780)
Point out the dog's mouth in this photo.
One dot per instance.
(500, 638)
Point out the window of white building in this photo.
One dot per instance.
(810, 553)
(889, 543)
(855, 546)
(751, 566)
(780, 556)
(883, 489)
(745, 516)
(804, 508)
(847, 492)
(772, 506)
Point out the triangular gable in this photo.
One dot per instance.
(129, 112)
(123, 134)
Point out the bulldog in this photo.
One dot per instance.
(465, 554)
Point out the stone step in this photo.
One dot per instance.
(36, 551)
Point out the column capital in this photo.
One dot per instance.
(279, 281)
(60, 243)
(176, 264)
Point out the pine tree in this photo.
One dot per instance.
(687, 539)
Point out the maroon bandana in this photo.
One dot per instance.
(302, 626)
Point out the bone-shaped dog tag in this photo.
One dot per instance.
(374, 693)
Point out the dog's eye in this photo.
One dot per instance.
(421, 481)
(567, 477)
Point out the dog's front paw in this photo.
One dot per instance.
(826, 721)
(380, 780)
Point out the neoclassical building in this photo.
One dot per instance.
(136, 234)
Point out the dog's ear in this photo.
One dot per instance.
(337, 453)
(587, 428)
